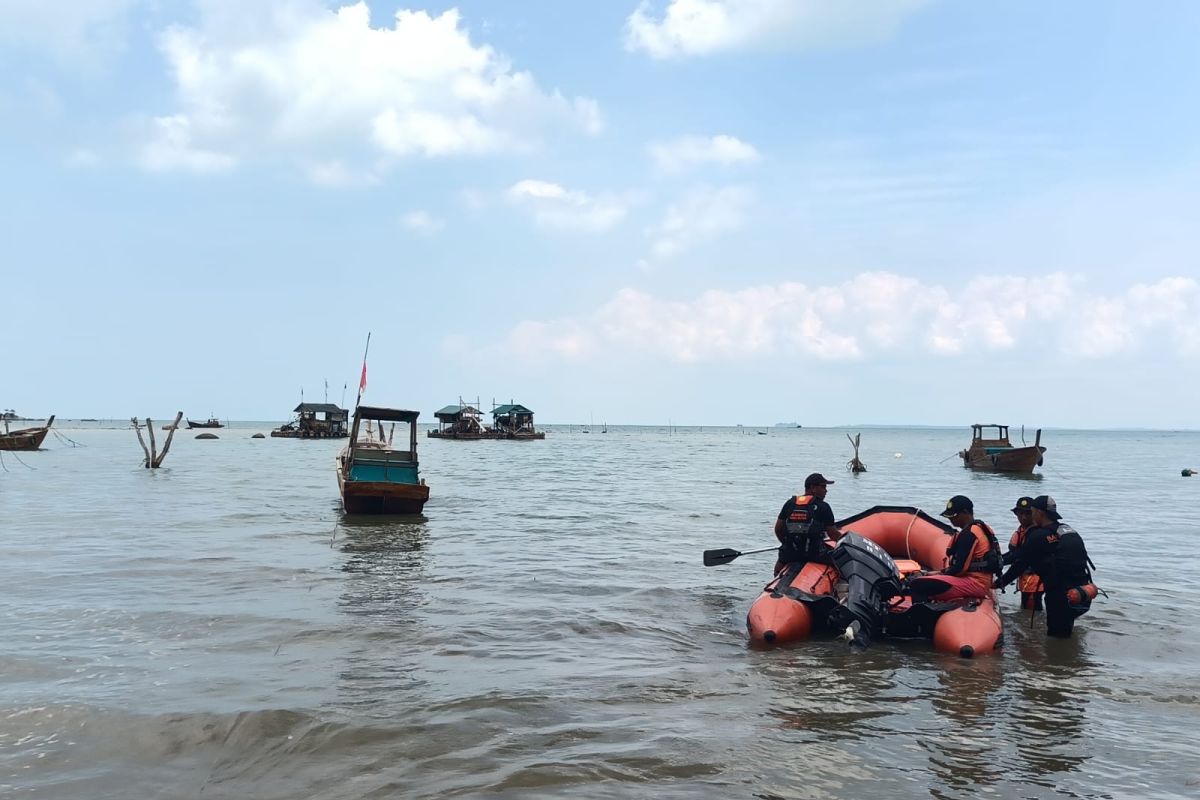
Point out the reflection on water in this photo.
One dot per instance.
(966, 715)
(1047, 717)
(382, 596)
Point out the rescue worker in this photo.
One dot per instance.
(804, 522)
(973, 558)
(1029, 584)
(1056, 553)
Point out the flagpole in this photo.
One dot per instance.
(362, 382)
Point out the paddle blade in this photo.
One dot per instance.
(723, 556)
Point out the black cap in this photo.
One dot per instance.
(1045, 502)
(958, 504)
(816, 479)
(1023, 504)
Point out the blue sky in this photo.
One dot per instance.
(709, 211)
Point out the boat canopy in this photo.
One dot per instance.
(386, 414)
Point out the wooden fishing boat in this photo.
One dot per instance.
(991, 451)
(374, 477)
(24, 438)
(212, 422)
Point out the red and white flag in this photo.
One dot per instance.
(362, 382)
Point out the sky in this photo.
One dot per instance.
(708, 212)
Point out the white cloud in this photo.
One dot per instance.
(336, 174)
(299, 80)
(692, 151)
(554, 206)
(701, 27)
(878, 315)
(172, 149)
(422, 222)
(701, 214)
(72, 31)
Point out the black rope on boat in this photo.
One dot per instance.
(19, 461)
(64, 438)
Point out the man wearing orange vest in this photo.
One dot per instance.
(1029, 584)
(972, 559)
(1056, 552)
(804, 522)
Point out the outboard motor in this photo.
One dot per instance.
(871, 578)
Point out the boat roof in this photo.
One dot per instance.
(328, 408)
(511, 408)
(389, 414)
(456, 410)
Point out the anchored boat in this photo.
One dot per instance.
(991, 451)
(374, 476)
(212, 422)
(24, 438)
(862, 596)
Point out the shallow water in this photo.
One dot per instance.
(216, 628)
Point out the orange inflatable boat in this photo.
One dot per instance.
(863, 595)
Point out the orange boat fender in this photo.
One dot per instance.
(1082, 595)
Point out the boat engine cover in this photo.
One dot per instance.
(871, 578)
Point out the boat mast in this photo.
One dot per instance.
(362, 384)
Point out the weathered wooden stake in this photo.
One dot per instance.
(138, 429)
(154, 458)
(167, 444)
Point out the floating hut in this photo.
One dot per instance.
(514, 421)
(316, 421)
(460, 422)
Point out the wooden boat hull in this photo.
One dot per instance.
(781, 614)
(380, 497)
(209, 424)
(474, 437)
(26, 438)
(299, 434)
(1017, 459)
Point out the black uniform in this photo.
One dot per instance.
(1058, 556)
(806, 526)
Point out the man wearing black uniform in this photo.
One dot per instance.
(1055, 551)
(804, 522)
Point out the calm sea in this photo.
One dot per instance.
(218, 629)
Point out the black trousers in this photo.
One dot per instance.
(1060, 614)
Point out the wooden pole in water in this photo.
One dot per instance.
(134, 422)
(153, 462)
(167, 445)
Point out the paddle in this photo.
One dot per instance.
(713, 558)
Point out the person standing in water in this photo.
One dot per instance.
(1056, 552)
(1029, 584)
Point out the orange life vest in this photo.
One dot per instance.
(984, 561)
(1029, 581)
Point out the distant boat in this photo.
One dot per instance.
(24, 438)
(373, 476)
(991, 451)
(212, 422)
